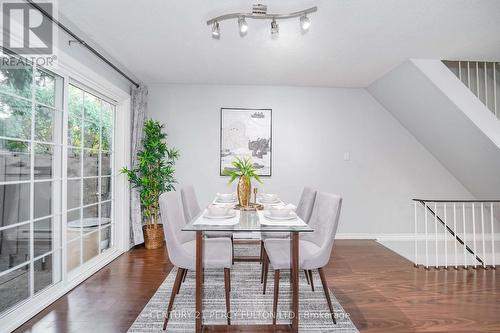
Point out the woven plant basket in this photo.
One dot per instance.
(154, 238)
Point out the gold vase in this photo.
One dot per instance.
(244, 190)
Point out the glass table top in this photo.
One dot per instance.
(246, 221)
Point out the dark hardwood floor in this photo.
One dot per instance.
(381, 291)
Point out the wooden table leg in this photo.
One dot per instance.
(295, 280)
(199, 282)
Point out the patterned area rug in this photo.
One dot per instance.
(248, 304)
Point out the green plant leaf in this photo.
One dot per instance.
(243, 167)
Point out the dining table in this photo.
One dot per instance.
(245, 221)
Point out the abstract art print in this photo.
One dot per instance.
(246, 132)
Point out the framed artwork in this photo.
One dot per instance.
(246, 132)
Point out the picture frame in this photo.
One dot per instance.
(246, 132)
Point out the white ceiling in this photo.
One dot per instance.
(350, 44)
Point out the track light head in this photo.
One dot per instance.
(305, 23)
(243, 25)
(275, 28)
(216, 30)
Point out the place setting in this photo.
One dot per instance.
(280, 216)
(226, 198)
(218, 215)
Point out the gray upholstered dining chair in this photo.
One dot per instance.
(181, 248)
(189, 203)
(304, 211)
(192, 209)
(315, 248)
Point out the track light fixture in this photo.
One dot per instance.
(260, 12)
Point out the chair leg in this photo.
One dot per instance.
(311, 279)
(227, 287)
(276, 293)
(266, 270)
(175, 290)
(307, 276)
(262, 261)
(183, 277)
(261, 251)
(232, 247)
(327, 293)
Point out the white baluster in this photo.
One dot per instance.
(460, 71)
(482, 235)
(474, 234)
(495, 88)
(416, 232)
(468, 74)
(436, 234)
(445, 242)
(493, 263)
(456, 233)
(426, 238)
(485, 87)
(477, 82)
(465, 235)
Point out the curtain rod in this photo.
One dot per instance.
(81, 41)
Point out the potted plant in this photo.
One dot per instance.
(244, 169)
(153, 175)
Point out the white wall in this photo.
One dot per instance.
(312, 128)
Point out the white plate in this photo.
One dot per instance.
(223, 204)
(292, 216)
(264, 201)
(219, 217)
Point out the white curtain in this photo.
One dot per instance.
(139, 107)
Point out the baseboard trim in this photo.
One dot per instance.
(377, 237)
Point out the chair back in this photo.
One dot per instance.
(306, 203)
(173, 220)
(189, 203)
(325, 221)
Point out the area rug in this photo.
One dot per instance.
(248, 304)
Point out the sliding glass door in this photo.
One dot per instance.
(31, 113)
(89, 169)
(56, 179)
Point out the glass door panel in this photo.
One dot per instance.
(31, 113)
(90, 176)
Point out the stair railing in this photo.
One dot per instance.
(482, 78)
(468, 224)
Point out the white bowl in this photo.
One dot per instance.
(269, 197)
(218, 210)
(280, 212)
(226, 196)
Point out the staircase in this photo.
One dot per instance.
(452, 108)
(450, 233)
